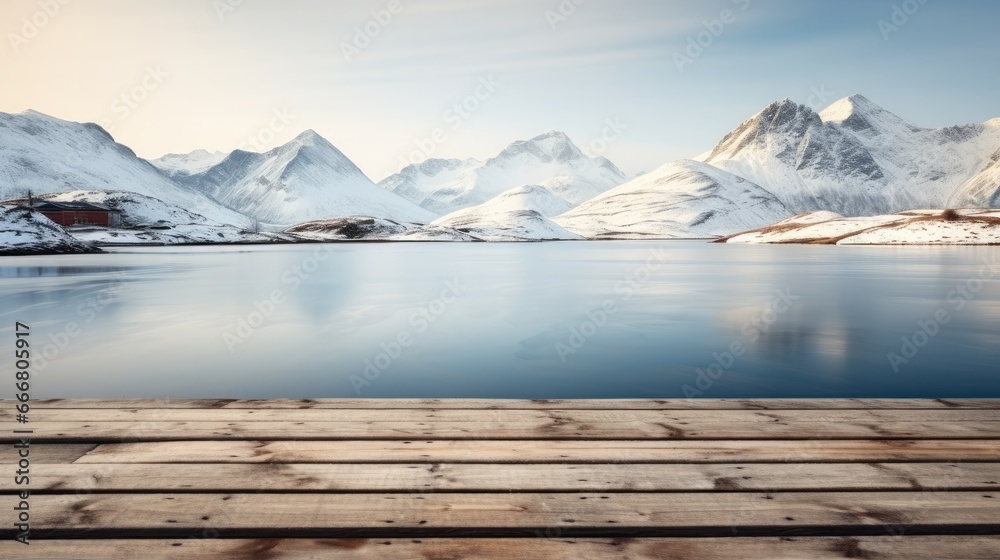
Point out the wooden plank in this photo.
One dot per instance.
(397, 478)
(548, 429)
(503, 404)
(47, 453)
(568, 417)
(491, 451)
(503, 515)
(553, 548)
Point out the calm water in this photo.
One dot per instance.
(598, 319)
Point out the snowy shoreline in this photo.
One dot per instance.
(915, 227)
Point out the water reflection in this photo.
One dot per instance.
(531, 321)
(44, 271)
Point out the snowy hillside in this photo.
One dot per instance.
(520, 214)
(185, 165)
(305, 179)
(528, 197)
(854, 158)
(982, 190)
(146, 220)
(49, 155)
(920, 227)
(551, 160)
(681, 199)
(26, 232)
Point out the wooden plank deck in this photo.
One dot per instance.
(453, 479)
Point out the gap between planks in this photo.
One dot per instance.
(152, 515)
(516, 452)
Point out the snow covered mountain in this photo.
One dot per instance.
(303, 180)
(49, 155)
(520, 214)
(185, 165)
(855, 158)
(681, 199)
(551, 160)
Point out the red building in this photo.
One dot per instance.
(79, 214)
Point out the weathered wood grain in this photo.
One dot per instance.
(491, 451)
(504, 404)
(47, 453)
(437, 477)
(501, 515)
(555, 547)
(841, 478)
(548, 429)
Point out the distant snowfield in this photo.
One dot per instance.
(921, 227)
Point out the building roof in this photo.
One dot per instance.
(77, 206)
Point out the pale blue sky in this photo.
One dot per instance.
(221, 79)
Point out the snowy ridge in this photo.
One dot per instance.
(681, 199)
(303, 180)
(48, 155)
(185, 165)
(520, 214)
(550, 160)
(855, 158)
(420, 182)
(982, 190)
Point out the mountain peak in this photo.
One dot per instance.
(843, 109)
(551, 146)
(555, 134)
(860, 114)
(309, 138)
